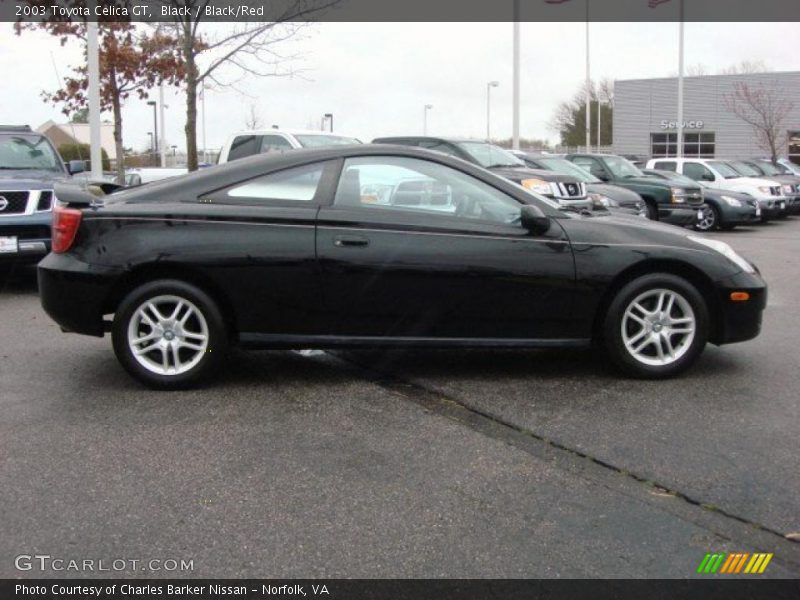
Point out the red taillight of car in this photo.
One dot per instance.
(65, 225)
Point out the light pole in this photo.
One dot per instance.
(329, 116)
(515, 84)
(425, 118)
(155, 128)
(588, 76)
(489, 87)
(679, 135)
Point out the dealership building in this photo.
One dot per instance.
(645, 116)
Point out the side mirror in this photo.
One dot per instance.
(708, 177)
(75, 166)
(534, 220)
(600, 173)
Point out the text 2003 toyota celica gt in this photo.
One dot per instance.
(381, 246)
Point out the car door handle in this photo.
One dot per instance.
(348, 241)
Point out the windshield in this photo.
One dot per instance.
(563, 166)
(744, 169)
(725, 170)
(27, 152)
(315, 141)
(622, 168)
(489, 155)
(769, 168)
(675, 178)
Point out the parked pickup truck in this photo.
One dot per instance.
(666, 201)
(264, 141)
(29, 168)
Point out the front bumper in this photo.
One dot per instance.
(739, 215)
(678, 214)
(26, 238)
(74, 293)
(739, 321)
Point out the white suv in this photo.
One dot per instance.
(716, 174)
(249, 143)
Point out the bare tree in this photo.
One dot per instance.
(244, 49)
(253, 118)
(745, 67)
(765, 109)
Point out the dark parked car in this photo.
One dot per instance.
(612, 197)
(312, 249)
(723, 209)
(566, 189)
(29, 168)
(675, 204)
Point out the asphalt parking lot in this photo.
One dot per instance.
(434, 464)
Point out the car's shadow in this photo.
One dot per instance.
(18, 279)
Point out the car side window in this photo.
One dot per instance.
(274, 143)
(411, 185)
(666, 165)
(244, 145)
(591, 165)
(298, 184)
(697, 172)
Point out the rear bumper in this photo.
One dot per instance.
(740, 321)
(73, 293)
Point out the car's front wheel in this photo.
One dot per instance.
(709, 218)
(169, 334)
(656, 326)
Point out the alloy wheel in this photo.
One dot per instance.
(168, 335)
(658, 327)
(707, 220)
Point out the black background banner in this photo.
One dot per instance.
(407, 10)
(416, 589)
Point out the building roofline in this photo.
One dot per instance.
(720, 75)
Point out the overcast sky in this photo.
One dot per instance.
(376, 77)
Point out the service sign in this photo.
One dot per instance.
(666, 124)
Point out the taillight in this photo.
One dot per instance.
(65, 225)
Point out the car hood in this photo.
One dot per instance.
(753, 181)
(615, 192)
(25, 179)
(517, 174)
(661, 183)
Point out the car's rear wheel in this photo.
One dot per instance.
(709, 218)
(656, 326)
(169, 334)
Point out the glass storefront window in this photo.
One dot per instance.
(695, 145)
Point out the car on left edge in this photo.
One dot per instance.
(377, 246)
(29, 169)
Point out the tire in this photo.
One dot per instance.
(711, 219)
(652, 210)
(620, 329)
(187, 343)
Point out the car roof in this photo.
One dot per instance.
(229, 173)
(15, 129)
(431, 138)
(291, 132)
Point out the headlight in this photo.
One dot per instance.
(678, 195)
(764, 189)
(537, 185)
(601, 200)
(731, 201)
(787, 189)
(726, 251)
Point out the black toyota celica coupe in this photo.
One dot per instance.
(377, 246)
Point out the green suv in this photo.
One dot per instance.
(666, 201)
